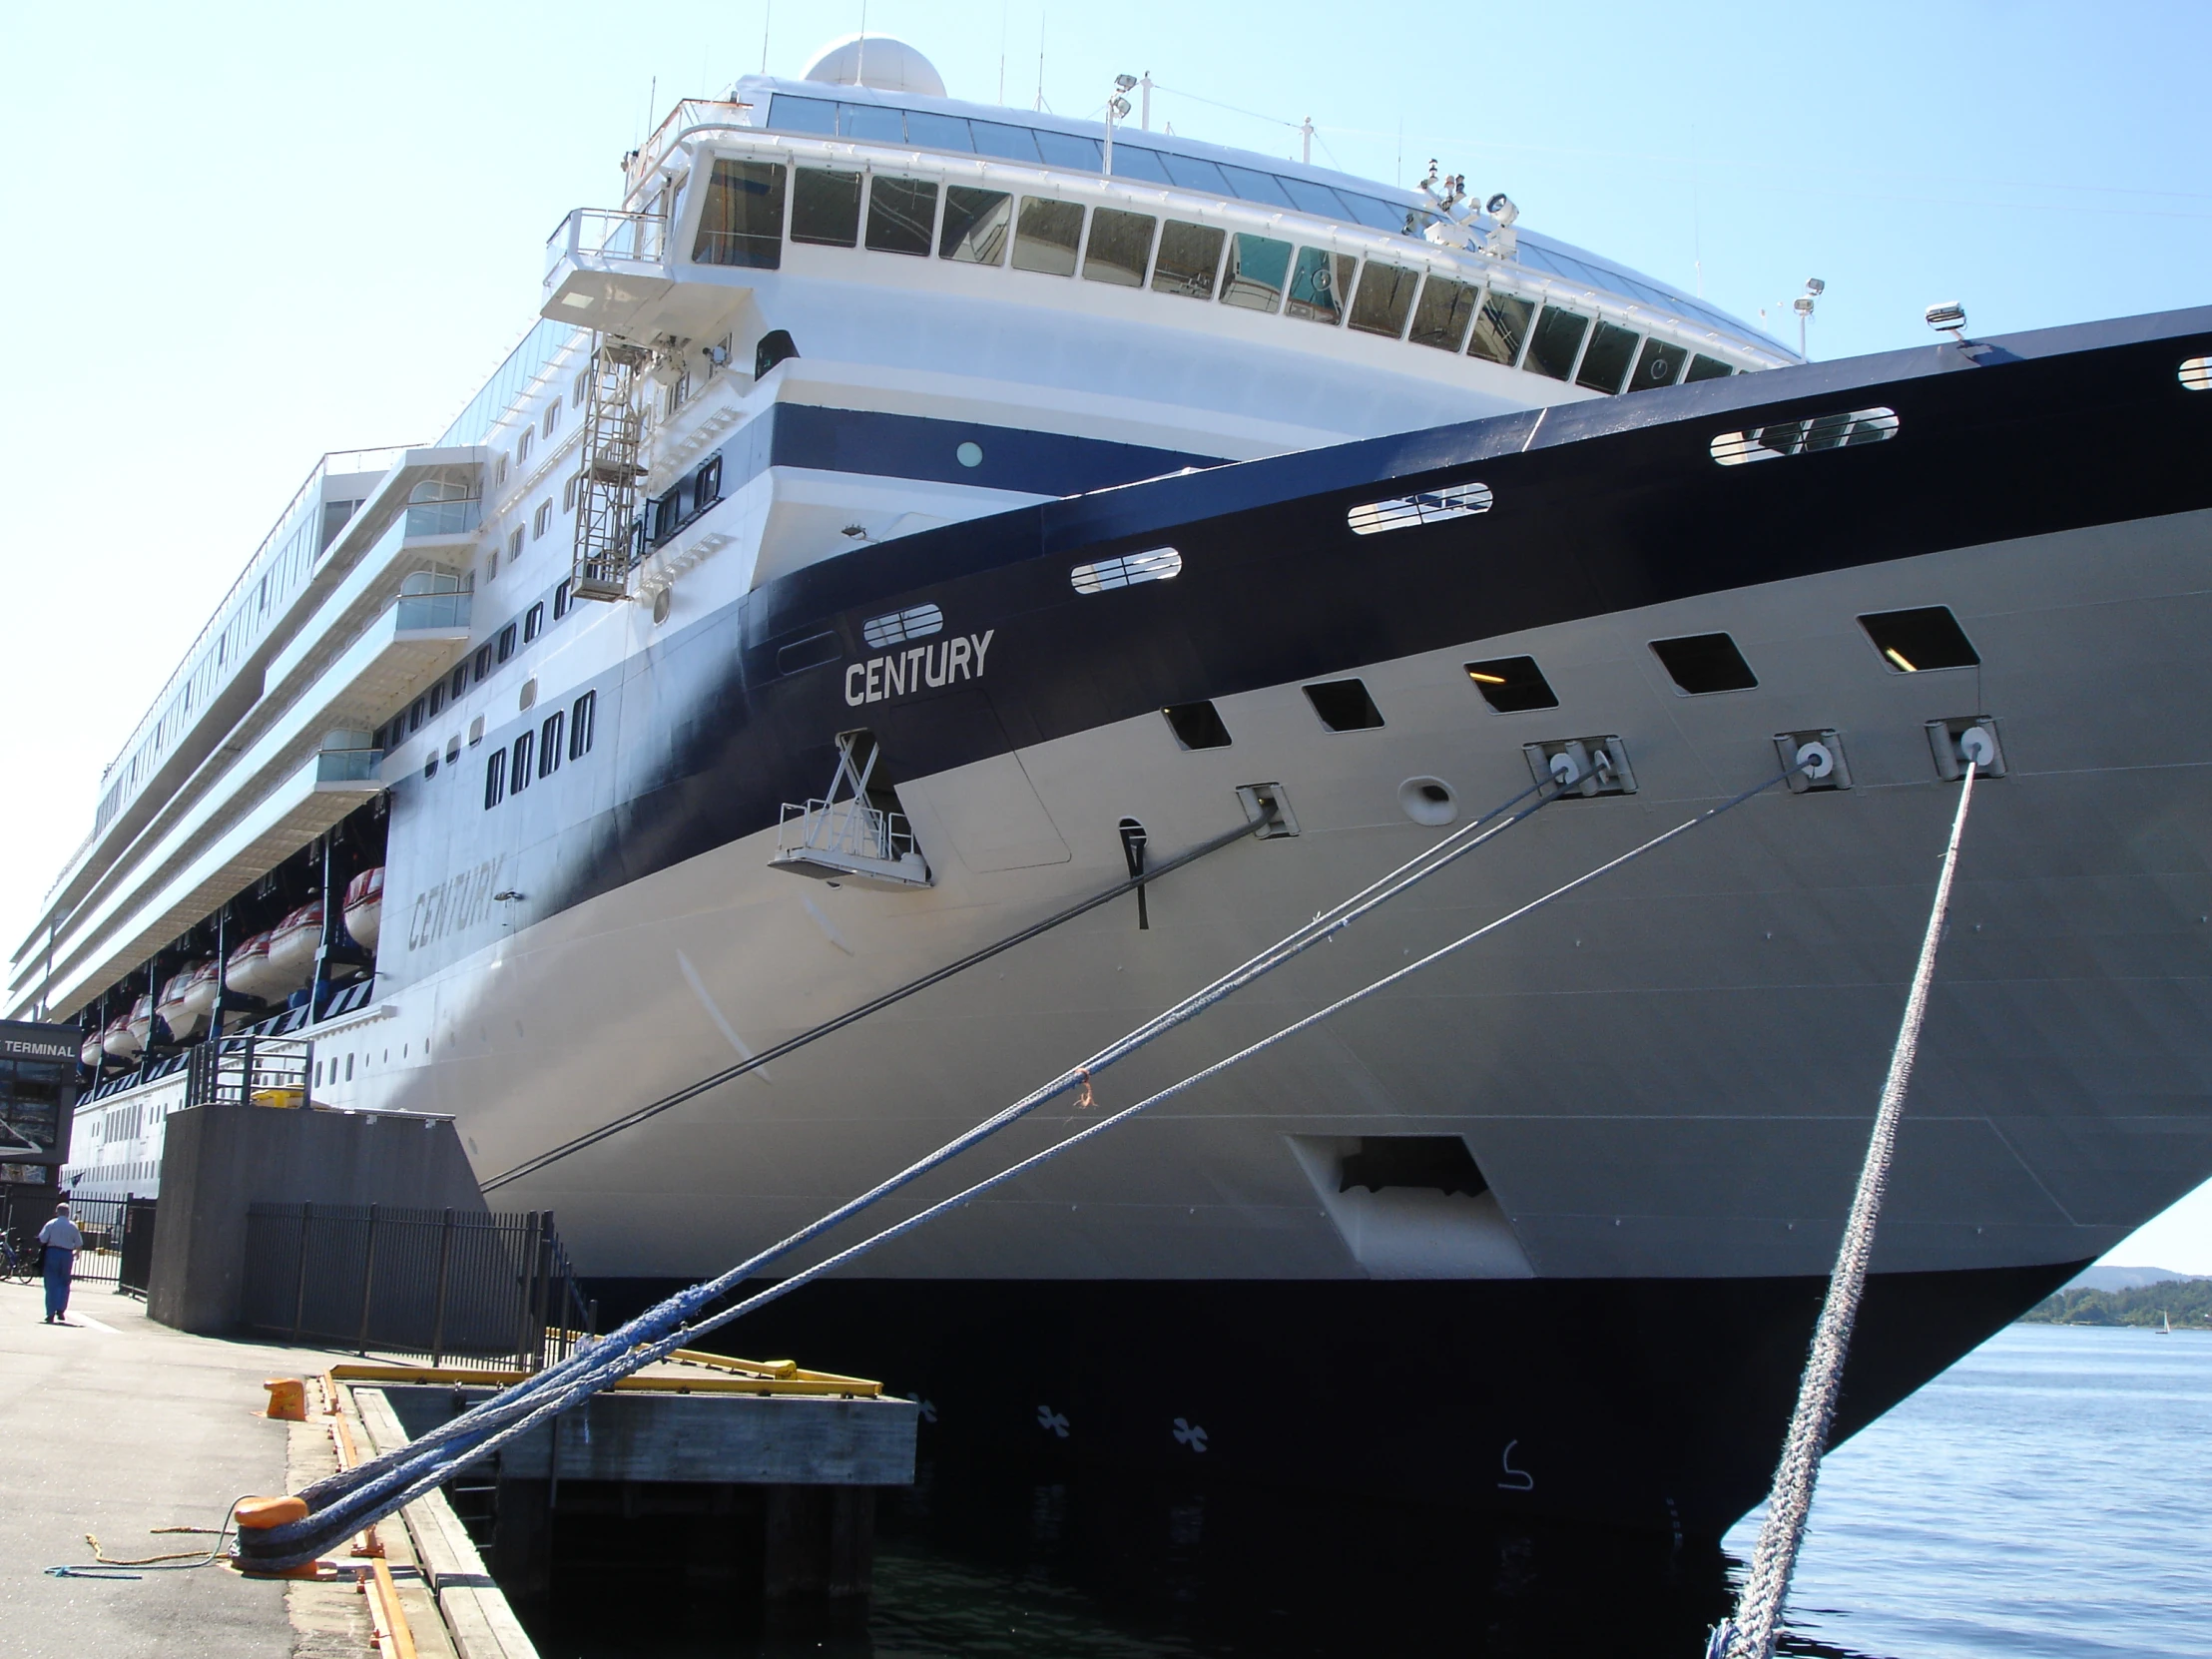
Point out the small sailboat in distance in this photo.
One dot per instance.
(2165, 1325)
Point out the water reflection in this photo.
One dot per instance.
(998, 1564)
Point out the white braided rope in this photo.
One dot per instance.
(1751, 1633)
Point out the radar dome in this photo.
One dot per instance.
(877, 60)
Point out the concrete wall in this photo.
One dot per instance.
(219, 1159)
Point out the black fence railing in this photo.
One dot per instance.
(250, 1070)
(134, 1265)
(444, 1285)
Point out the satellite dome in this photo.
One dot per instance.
(877, 61)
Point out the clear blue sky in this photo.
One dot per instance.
(239, 236)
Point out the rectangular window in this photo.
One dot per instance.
(437, 698)
(495, 779)
(415, 713)
(499, 471)
(576, 386)
(1605, 363)
(1704, 663)
(825, 208)
(1912, 642)
(1501, 326)
(1385, 300)
(549, 744)
(459, 683)
(1512, 685)
(787, 113)
(1120, 248)
(1134, 161)
(1703, 368)
(1068, 149)
(742, 223)
(523, 448)
(552, 419)
(976, 224)
(533, 622)
(707, 484)
(995, 138)
(1659, 365)
(1442, 318)
(506, 642)
(1048, 235)
(541, 520)
(872, 122)
(1190, 259)
(1258, 269)
(1345, 706)
(568, 492)
(1556, 340)
(583, 714)
(514, 545)
(560, 601)
(1193, 173)
(520, 778)
(668, 512)
(1319, 282)
(1262, 187)
(483, 664)
(938, 132)
(902, 213)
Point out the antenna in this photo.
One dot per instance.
(1144, 116)
(1306, 134)
(860, 50)
(1041, 57)
(767, 11)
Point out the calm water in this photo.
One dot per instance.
(2044, 1496)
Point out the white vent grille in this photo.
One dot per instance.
(1402, 512)
(1803, 438)
(2196, 373)
(1158, 565)
(901, 626)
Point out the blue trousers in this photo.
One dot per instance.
(58, 1264)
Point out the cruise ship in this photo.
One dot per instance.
(908, 518)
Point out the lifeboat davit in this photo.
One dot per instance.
(364, 908)
(118, 1041)
(248, 972)
(93, 1051)
(293, 944)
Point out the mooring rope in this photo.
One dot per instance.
(342, 1503)
(424, 1470)
(1751, 1633)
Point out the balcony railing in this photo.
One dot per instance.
(431, 609)
(445, 518)
(602, 235)
(348, 766)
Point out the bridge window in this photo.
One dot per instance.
(1048, 235)
(1446, 308)
(1319, 282)
(742, 223)
(1659, 365)
(995, 138)
(1190, 259)
(977, 223)
(1605, 363)
(902, 213)
(1385, 300)
(1258, 267)
(1501, 326)
(938, 132)
(825, 208)
(1553, 347)
(1134, 161)
(1120, 249)
(1703, 368)
(871, 121)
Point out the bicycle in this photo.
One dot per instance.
(18, 1264)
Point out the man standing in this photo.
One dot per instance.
(62, 1242)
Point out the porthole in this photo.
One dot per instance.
(1429, 801)
(969, 455)
(1159, 565)
(661, 602)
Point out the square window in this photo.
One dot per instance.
(825, 208)
(1446, 309)
(977, 224)
(742, 220)
(1912, 642)
(1319, 281)
(1385, 300)
(1047, 234)
(902, 213)
(1512, 685)
(1258, 269)
(1345, 706)
(1659, 364)
(1704, 663)
(1197, 725)
(1190, 259)
(1558, 336)
(1120, 248)
(1501, 326)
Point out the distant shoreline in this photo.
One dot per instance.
(2186, 1302)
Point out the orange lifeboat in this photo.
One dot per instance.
(364, 908)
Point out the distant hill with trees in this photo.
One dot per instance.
(2186, 1302)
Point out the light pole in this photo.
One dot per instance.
(1117, 109)
(1803, 306)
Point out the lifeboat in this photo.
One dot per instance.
(187, 1001)
(93, 1051)
(118, 1041)
(141, 1025)
(364, 908)
(248, 972)
(293, 944)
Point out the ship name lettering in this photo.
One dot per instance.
(918, 666)
(454, 904)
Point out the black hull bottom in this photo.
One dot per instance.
(1653, 1404)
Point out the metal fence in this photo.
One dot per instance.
(444, 1285)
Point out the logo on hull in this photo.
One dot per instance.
(902, 673)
